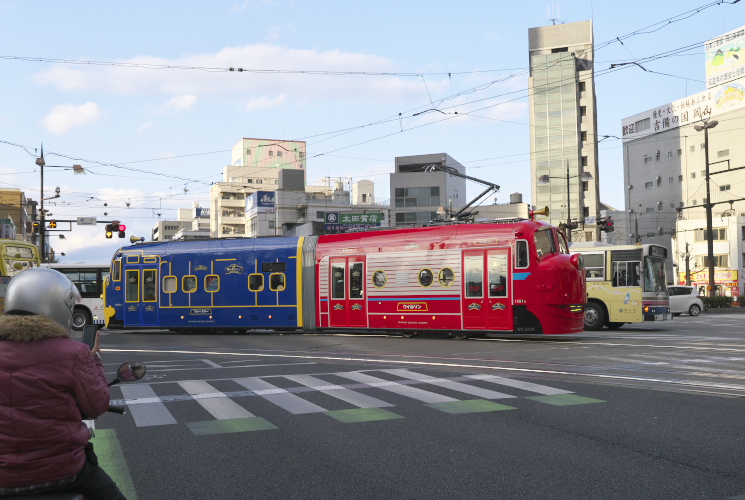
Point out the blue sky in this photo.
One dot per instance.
(141, 119)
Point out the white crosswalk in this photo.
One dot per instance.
(148, 409)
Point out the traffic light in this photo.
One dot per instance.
(53, 224)
(36, 227)
(109, 230)
(606, 225)
(122, 228)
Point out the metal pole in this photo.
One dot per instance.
(709, 231)
(688, 266)
(569, 207)
(42, 243)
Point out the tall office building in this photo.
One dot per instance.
(563, 125)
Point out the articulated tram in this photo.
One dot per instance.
(466, 279)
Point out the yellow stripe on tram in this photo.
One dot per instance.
(299, 279)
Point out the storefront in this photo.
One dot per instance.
(727, 282)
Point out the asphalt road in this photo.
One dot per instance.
(653, 411)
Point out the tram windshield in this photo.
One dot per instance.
(654, 275)
(544, 242)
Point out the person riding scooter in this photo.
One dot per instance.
(48, 383)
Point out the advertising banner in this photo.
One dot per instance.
(261, 202)
(341, 221)
(724, 59)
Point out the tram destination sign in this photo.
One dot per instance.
(341, 221)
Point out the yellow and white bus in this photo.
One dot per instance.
(15, 256)
(625, 284)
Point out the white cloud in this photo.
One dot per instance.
(224, 84)
(265, 102)
(66, 116)
(181, 102)
(144, 127)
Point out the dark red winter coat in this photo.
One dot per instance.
(47, 382)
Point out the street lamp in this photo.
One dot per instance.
(709, 232)
(584, 176)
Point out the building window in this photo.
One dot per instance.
(659, 181)
(581, 86)
(719, 233)
(583, 136)
(583, 111)
(271, 224)
(703, 173)
(279, 153)
(271, 153)
(670, 180)
(693, 149)
(693, 175)
(302, 155)
(681, 204)
(657, 156)
(642, 125)
(320, 215)
(585, 186)
(248, 152)
(680, 178)
(650, 210)
(647, 160)
(584, 161)
(703, 145)
(560, 49)
(722, 153)
(672, 206)
(659, 206)
(669, 154)
(648, 185)
(417, 197)
(724, 187)
(364, 197)
(693, 201)
(585, 211)
(719, 261)
(680, 152)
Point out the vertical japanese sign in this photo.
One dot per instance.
(725, 61)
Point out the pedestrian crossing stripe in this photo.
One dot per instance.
(148, 409)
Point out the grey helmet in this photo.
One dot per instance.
(42, 291)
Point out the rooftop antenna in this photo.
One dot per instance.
(552, 12)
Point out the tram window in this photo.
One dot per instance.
(170, 284)
(256, 282)
(117, 271)
(337, 281)
(133, 286)
(212, 283)
(149, 289)
(276, 282)
(356, 280)
(426, 277)
(497, 276)
(544, 242)
(474, 276)
(379, 279)
(563, 247)
(189, 284)
(446, 276)
(522, 260)
(273, 267)
(594, 266)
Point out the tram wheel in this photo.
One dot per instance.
(614, 325)
(594, 317)
(460, 335)
(409, 334)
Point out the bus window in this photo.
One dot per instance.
(474, 276)
(276, 282)
(654, 275)
(356, 280)
(594, 266)
(255, 282)
(498, 276)
(544, 242)
(189, 284)
(337, 281)
(522, 260)
(149, 280)
(133, 286)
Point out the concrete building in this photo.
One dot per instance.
(191, 224)
(416, 195)
(665, 164)
(563, 124)
(256, 164)
(14, 207)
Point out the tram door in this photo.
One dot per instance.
(487, 303)
(141, 294)
(347, 303)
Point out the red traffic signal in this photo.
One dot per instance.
(122, 227)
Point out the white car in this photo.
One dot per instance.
(685, 299)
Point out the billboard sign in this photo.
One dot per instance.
(261, 202)
(724, 59)
(341, 221)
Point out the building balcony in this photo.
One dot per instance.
(232, 219)
(230, 203)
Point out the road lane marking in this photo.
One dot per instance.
(352, 397)
(519, 384)
(449, 384)
(150, 414)
(279, 397)
(358, 415)
(470, 406)
(403, 390)
(230, 426)
(216, 403)
(111, 459)
(565, 399)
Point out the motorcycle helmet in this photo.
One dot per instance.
(42, 291)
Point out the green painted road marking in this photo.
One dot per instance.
(469, 406)
(738, 497)
(111, 459)
(362, 415)
(230, 425)
(565, 399)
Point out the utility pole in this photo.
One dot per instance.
(687, 257)
(709, 231)
(42, 243)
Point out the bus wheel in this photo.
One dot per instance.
(409, 334)
(80, 318)
(594, 317)
(614, 325)
(460, 335)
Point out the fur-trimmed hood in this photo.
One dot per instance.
(20, 328)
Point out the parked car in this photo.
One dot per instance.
(685, 299)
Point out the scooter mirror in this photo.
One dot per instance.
(132, 370)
